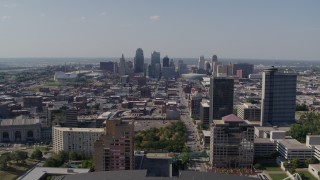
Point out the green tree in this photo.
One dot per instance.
(4, 159)
(311, 161)
(72, 155)
(301, 107)
(258, 166)
(185, 158)
(36, 154)
(19, 156)
(295, 163)
(51, 162)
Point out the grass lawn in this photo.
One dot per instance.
(278, 176)
(16, 170)
(307, 174)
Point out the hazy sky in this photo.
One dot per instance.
(270, 29)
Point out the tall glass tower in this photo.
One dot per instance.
(139, 61)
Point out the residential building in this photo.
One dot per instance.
(278, 97)
(77, 139)
(231, 143)
(114, 149)
(221, 97)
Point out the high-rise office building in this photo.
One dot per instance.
(231, 143)
(114, 149)
(122, 68)
(244, 68)
(155, 59)
(205, 114)
(139, 61)
(248, 111)
(224, 70)
(107, 66)
(182, 67)
(214, 63)
(278, 97)
(166, 62)
(221, 97)
(172, 63)
(201, 62)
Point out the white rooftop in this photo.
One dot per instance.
(39, 172)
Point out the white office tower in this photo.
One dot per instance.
(214, 64)
(201, 63)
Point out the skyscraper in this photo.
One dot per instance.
(114, 149)
(122, 69)
(278, 97)
(214, 63)
(165, 62)
(221, 97)
(139, 61)
(155, 59)
(201, 62)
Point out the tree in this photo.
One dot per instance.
(4, 159)
(36, 154)
(72, 155)
(19, 156)
(185, 158)
(311, 161)
(295, 163)
(301, 107)
(51, 162)
(258, 166)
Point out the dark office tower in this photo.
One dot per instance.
(155, 59)
(278, 97)
(107, 66)
(139, 61)
(242, 70)
(165, 62)
(71, 118)
(221, 97)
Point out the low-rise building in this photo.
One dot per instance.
(291, 149)
(249, 112)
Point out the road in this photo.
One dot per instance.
(193, 141)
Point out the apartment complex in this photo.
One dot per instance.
(77, 139)
(114, 149)
(231, 143)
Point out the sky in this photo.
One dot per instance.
(253, 29)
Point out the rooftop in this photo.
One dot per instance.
(39, 172)
(293, 144)
(80, 129)
(231, 118)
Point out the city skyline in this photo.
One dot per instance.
(286, 30)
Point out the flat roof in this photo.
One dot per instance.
(79, 129)
(315, 166)
(205, 104)
(38, 172)
(270, 128)
(293, 144)
(206, 133)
